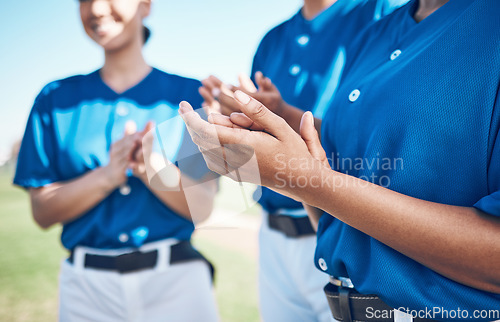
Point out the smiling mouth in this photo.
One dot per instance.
(102, 28)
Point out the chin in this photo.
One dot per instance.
(111, 43)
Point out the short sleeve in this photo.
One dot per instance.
(491, 204)
(35, 162)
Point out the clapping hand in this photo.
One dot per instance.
(227, 143)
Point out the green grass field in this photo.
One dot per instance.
(30, 258)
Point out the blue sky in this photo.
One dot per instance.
(43, 41)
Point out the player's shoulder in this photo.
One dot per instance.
(277, 31)
(175, 80)
(66, 88)
(65, 83)
(176, 88)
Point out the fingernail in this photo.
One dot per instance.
(182, 107)
(215, 92)
(312, 117)
(242, 97)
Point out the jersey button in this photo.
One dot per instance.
(294, 70)
(322, 264)
(123, 238)
(353, 97)
(395, 54)
(303, 40)
(125, 190)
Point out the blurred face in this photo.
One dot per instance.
(114, 23)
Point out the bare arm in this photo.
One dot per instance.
(64, 201)
(460, 243)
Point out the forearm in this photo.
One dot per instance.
(64, 201)
(458, 242)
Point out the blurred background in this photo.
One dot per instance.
(42, 41)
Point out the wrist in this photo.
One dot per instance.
(105, 180)
(313, 183)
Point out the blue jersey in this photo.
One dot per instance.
(70, 130)
(305, 58)
(417, 112)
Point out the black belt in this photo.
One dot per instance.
(137, 260)
(347, 305)
(291, 226)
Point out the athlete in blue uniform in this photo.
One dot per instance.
(130, 253)
(424, 106)
(412, 206)
(304, 58)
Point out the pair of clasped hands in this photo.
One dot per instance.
(133, 154)
(240, 126)
(127, 154)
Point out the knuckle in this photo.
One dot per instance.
(259, 111)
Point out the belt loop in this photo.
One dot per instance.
(163, 260)
(79, 259)
(345, 307)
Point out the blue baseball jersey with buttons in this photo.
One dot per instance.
(70, 130)
(417, 112)
(304, 59)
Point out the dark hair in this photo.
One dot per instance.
(146, 33)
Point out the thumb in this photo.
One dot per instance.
(148, 127)
(258, 113)
(310, 136)
(147, 137)
(246, 83)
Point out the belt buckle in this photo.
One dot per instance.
(341, 282)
